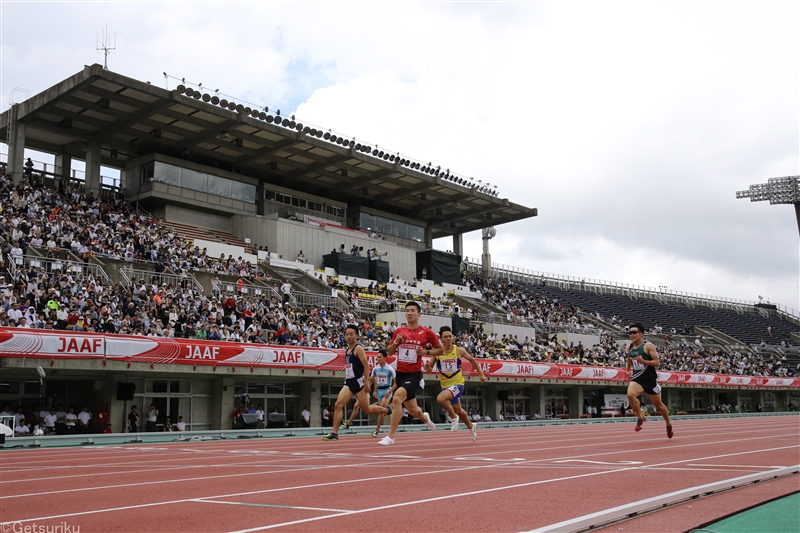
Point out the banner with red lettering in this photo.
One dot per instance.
(50, 344)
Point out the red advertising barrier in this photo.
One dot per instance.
(49, 344)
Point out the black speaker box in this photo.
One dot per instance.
(125, 391)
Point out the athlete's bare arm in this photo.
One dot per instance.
(463, 353)
(391, 349)
(438, 350)
(428, 366)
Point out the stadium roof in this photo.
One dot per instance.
(135, 118)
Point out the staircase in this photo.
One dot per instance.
(188, 232)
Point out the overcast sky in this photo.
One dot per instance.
(629, 125)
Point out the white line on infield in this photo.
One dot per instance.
(601, 517)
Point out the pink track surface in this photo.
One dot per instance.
(514, 479)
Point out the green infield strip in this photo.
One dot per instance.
(778, 516)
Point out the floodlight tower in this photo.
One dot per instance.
(778, 191)
(486, 258)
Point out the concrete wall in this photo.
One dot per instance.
(215, 249)
(183, 215)
(261, 230)
(504, 329)
(587, 340)
(287, 237)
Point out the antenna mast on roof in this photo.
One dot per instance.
(105, 46)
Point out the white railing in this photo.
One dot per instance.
(148, 276)
(309, 299)
(248, 289)
(12, 267)
(534, 277)
(74, 267)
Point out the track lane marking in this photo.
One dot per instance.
(323, 509)
(616, 452)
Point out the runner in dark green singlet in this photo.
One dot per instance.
(642, 363)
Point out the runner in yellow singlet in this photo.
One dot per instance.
(452, 380)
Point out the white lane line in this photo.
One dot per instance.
(736, 466)
(592, 520)
(274, 506)
(491, 465)
(179, 480)
(722, 455)
(567, 434)
(615, 452)
(249, 493)
(428, 500)
(615, 463)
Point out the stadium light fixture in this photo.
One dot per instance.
(785, 190)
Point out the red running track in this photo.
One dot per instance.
(513, 479)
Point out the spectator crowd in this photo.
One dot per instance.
(52, 297)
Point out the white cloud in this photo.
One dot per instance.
(630, 125)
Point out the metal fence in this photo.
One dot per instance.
(131, 274)
(605, 287)
(65, 266)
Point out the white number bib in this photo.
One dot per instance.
(348, 371)
(448, 366)
(407, 355)
(383, 380)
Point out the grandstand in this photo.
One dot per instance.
(230, 224)
(732, 321)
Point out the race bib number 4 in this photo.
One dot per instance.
(408, 355)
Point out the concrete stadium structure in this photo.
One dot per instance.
(237, 175)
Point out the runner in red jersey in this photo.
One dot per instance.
(410, 344)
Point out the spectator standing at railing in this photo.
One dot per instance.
(286, 290)
(152, 417)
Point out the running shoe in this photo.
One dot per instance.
(386, 441)
(428, 422)
(454, 424)
(375, 433)
(389, 409)
(474, 431)
(670, 433)
(639, 424)
(345, 425)
(331, 436)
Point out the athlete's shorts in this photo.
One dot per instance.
(384, 392)
(650, 385)
(412, 383)
(456, 391)
(355, 385)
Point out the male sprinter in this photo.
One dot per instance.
(643, 359)
(409, 342)
(383, 385)
(354, 383)
(452, 379)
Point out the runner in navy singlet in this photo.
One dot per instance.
(355, 384)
